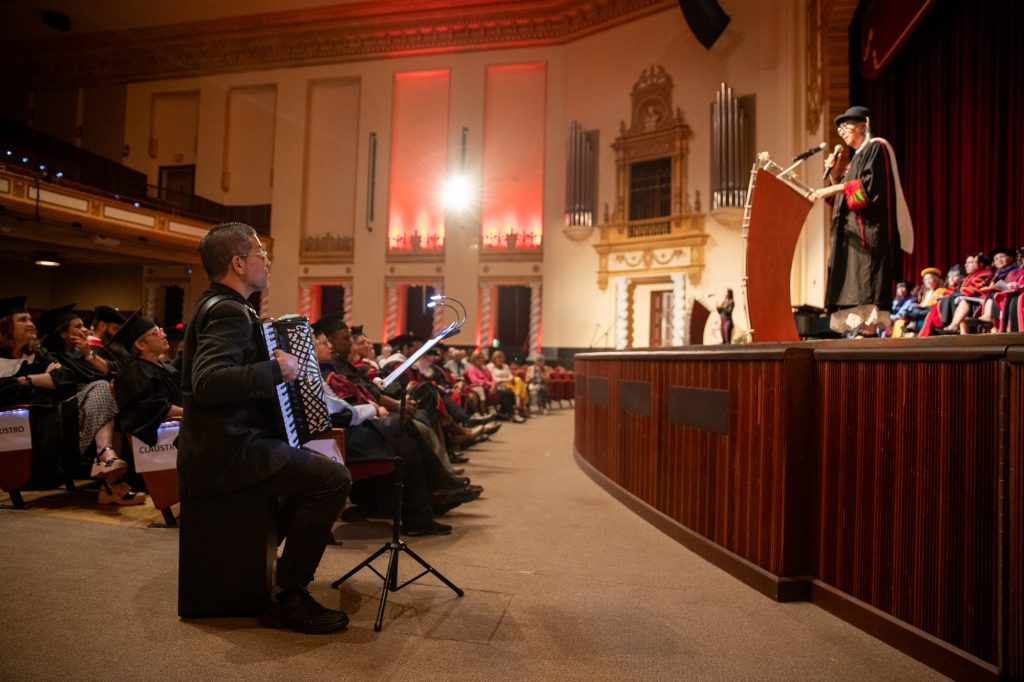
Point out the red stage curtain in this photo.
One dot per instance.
(952, 105)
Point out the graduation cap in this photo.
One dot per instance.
(12, 305)
(854, 115)
(133, 329)
(404, 340)
(1005, 250)
(54, 319)
(328, 324)
(931, 271)
(104, 313)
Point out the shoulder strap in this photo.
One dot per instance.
(204, 310)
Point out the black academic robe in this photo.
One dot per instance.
(64, 379)
(82, 370)
(145, 393)
(865, 242)
(53, 417)
(229, 436)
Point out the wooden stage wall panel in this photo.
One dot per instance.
(907, 493)
(1012, 640)
(883, 480)
(727, 487)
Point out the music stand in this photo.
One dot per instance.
(395, 546)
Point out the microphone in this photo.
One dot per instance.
(835, 155)
(809, 153)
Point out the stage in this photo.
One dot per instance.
(880, 479)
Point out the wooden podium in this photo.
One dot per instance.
(776, 211)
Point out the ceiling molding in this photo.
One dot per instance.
(338, 33)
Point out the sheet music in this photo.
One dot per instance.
(390, 379)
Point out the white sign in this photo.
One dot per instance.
(159, 457)
(15, 433)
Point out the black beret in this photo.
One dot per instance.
(855, 114)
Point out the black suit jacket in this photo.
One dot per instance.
(229, 436)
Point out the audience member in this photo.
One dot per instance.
(106, 321)
(537, 375)
(372, 434)
(66, 366)
(977, 276)
(148, 389)
(907, 320)
(503, 374)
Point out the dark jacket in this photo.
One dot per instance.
(229, 436)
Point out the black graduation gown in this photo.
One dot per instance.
(865, 243)
(145, 392)
(53, 417)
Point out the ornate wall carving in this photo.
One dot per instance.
(653, 247)
(335, 33)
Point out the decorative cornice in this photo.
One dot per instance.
(338, 33)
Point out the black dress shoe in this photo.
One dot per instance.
(298, 611)
(478, 419)
(457, 459)
(492, 428)
(434, 528)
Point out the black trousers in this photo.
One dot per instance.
(365, 442)
(312, 490)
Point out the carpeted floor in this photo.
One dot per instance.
(561, 581)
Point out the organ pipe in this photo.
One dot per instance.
(732, 148)
(580, 177)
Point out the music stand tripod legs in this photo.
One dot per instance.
(394, 547)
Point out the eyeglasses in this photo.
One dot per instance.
(843, 127)
(261, 253)
(159, 331)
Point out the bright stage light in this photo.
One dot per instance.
(458, 193)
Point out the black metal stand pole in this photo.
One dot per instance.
(396, 545)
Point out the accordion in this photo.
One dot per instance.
(304, 414)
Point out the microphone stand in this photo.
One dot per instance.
(395, 546)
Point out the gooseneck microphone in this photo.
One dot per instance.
(835, 155)
(809, 153)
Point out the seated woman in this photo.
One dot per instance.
(502, 373)
(909, 318)
(1010, 304)
(537, 383)
(29, 374)
(942, 317)
(148, 390)
(479, 378)
(977, 311)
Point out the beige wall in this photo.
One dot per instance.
(588, 80)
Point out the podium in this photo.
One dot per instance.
(777, 207)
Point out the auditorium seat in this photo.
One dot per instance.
(561, 386)
(15, 452)
(158, 466)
